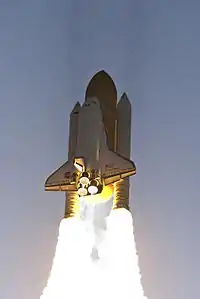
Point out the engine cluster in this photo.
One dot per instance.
(89, 184)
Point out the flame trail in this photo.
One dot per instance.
(115, 275)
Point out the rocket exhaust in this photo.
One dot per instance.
(112, 272)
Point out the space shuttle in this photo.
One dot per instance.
(93, 162)
(99, 142)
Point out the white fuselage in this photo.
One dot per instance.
(91, 134)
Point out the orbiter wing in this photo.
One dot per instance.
(116, 167)
(63, 179)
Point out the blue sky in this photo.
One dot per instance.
(49, 51)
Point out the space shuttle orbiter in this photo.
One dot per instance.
(96, 156)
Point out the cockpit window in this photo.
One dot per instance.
(90, 102)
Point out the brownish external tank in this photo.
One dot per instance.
(103, 87)
(117, 121)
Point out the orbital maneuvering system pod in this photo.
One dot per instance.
(99, 148)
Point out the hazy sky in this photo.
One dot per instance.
(48, 52)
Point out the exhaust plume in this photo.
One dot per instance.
(95, 256)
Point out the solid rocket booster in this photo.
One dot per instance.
(123, 147)
(73, 130)
(117, 122)
(71, 201)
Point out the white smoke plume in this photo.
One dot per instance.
(94, 217)
(95, 257)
